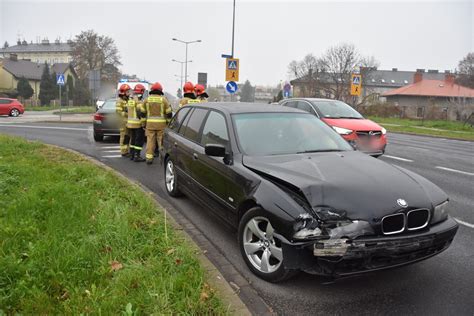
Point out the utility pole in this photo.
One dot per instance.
(182, 62)
(233, 29)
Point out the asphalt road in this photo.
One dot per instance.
(443, 285)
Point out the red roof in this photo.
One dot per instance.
(433, 88)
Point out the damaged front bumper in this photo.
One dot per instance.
(347, 256)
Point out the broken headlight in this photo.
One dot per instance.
(440, 213)
(308, 226)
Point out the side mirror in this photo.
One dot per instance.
(215, 150)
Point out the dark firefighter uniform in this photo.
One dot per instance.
(135, 121)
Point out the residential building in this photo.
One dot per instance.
(374, 82)
(44, 51)
(13, 69)
(433, 99)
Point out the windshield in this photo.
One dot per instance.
(336, 109)
(109, 104)
(262, 134)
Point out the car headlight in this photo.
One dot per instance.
(308, 226)
(342, 131)
(384, 131)
(440, 213)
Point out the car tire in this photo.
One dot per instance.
(98, 137)
(261, 251)
(14, 112)
(171, 179)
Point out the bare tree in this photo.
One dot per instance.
(91, 51)
(466, 71)
(308, 70)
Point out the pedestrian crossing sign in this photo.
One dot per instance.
(356, 84)
(232, 69)
(60, 80)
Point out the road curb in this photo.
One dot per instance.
(232, 288)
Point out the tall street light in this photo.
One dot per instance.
(186, 43)
(181, 62)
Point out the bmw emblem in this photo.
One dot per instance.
(402, 203)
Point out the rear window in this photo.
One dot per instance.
(109, 104)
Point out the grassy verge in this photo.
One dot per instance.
(41, 108)
(76, 110)
(77, 239)
(440, 128)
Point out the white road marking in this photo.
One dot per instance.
(454, 170)
(464, 223)
(398, 158)
(111, 151)
(110, 147)
(112, 156)
(46, 127)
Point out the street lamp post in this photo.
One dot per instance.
(182, 62)
(186, 43)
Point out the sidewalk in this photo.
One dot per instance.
(47, 116)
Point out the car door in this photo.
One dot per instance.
(212, 173)
(4, 106)
(171, 135)
(186, 144)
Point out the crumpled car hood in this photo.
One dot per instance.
(365, 187)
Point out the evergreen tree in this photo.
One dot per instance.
(24, 89)
(6, 45)
(69, 88)
(82, 95)
(47, 87)
(247, 93)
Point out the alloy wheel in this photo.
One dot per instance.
(263, 250)
(14, 112)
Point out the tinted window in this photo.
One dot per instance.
(194, 124)
(305, 106)
(336, 109)
(178, 119)
(262, 134)
(4, 101)
(215, 130)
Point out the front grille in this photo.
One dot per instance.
(418, 219)
(368, 134)
(393, 224)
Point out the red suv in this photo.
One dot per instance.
(11, 107)
(360, 132)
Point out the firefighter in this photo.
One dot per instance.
(121, 109)
(135, 122)
(189, 97)
(158, 111)
(201, 93)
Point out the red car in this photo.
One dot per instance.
(11, 107)
(360, 132)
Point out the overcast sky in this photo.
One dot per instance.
(269, 34)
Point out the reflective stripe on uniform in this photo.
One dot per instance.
(149, 157)
(193, 101)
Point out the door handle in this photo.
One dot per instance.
(195, 156)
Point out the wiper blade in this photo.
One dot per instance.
(350, 117)
(318, 151)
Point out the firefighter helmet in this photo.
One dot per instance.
(188, 87)
(124, 88)
(200, 89)
(139, 89)
(157, 87)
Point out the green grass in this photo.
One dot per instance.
(76, 110)
(65, 221)
(41, 108)
(439, 128)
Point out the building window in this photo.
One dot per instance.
(420, 111)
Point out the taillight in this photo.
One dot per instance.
(98, 117)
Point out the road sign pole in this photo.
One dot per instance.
(233, 29)
(60, 116)
(186, 64)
